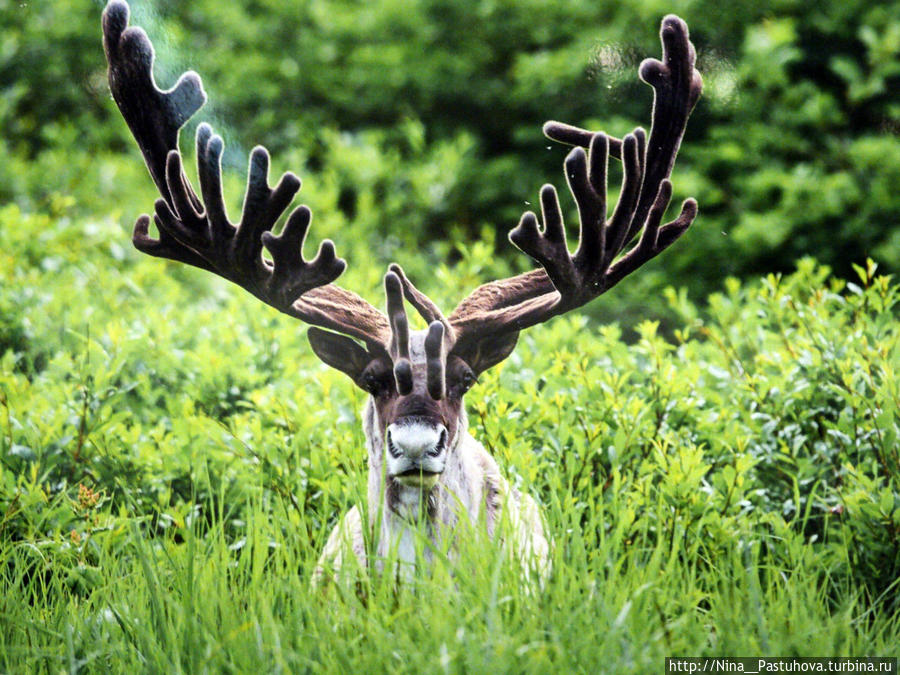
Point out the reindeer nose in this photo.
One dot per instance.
(416, 440)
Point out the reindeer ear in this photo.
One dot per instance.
(488, 351)
(339, 351)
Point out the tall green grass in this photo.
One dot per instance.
(127, 602)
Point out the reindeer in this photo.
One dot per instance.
(426, 473)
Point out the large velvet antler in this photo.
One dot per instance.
(567, 281)
(199, 233)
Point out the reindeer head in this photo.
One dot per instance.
(416, 380)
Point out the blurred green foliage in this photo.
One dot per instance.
(424, 117)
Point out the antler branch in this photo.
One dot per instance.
(567, 281)
(198, 232)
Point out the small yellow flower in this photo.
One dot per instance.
(87, 498)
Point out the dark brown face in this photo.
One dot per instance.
(417, 387)
(418, 431)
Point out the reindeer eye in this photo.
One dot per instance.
(377, 379)
(371, 383)
(466, 382)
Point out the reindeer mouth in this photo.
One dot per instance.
(417, 478)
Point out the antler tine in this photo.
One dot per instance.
(549, 246)
(422, 303)
(677, 86)
(199, 232)
(435, 372)
(399, 349)
(569, 280)
(398, 287)
(153, 115)
(572, 135)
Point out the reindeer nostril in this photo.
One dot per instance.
(415, 440)
(438, 447)
(391, 446)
